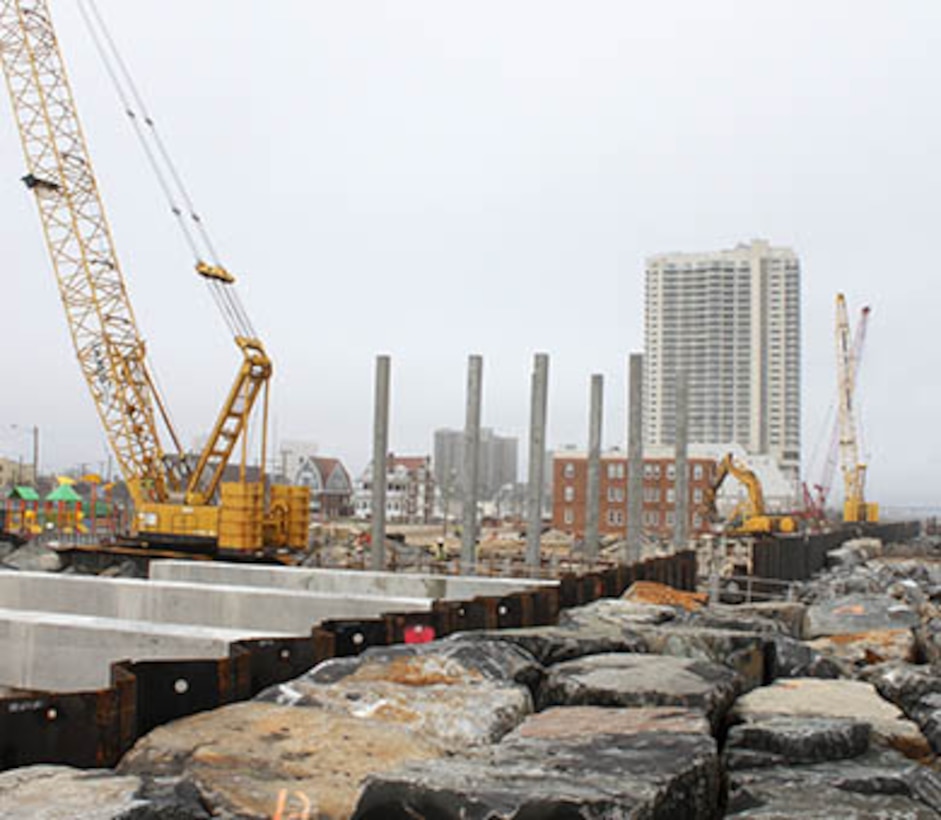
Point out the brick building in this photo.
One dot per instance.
(570, 484)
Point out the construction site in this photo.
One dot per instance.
(653, 635)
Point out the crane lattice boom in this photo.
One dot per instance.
(855, 507)
(104, 331)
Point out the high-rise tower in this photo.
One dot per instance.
(731, 319)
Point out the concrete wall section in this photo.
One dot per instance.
(341, 581)
(226, 606)
(67, 652)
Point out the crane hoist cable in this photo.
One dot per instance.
(208, 264)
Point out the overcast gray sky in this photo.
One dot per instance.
(431, 179)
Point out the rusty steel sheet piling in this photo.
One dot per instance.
(95, 729)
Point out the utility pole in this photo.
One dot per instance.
(35, 455)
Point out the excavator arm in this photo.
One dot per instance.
(753, 514)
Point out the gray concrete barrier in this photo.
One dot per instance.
(66, 652)
(227, 606)
(343, 581)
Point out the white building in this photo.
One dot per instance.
(731, 320)
(410, 491)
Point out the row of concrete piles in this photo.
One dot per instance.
(632, 547)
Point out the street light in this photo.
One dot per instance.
(34, 431)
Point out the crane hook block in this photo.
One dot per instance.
(217, 272)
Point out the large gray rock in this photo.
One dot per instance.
(928, 633)
(574, 722)
(862, 649)
(641, 680)
(750, 655)
(850, 699)
(553, 644)
(456, 695)
(853, 614)
(916, 690)
(928, 716)
(854, 553)
(457, 661)
(34, 557)
(565, 763)
(789, 740)
(797, 659)
(617, 612)
(904, 684)
(765, 616)
(452, 713)
(875, 785)
(246, 760)
(62, 793)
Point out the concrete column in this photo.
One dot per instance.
(475, 370)
(681, 463)
(593, 492)
(537, 457)
(635, 463)
(380, 451)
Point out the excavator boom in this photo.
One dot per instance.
(754, 515)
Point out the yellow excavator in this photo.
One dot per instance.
(180, 501)
(751, 516)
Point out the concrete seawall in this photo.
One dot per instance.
(59, 652)
(343, 582)
(225, 606)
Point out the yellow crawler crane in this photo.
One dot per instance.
(178, 501)
(751, 517)
(856, 509)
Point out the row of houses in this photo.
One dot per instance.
(410, 489)
(413, 496)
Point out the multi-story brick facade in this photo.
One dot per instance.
(570, 483)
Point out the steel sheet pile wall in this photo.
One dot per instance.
(94, 729)
(799, 558)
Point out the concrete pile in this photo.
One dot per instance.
(651, 706)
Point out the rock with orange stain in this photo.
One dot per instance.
(252, 760)
(868, 648)
(854, 614)
(650, 592)
(455, 715)
(458, 695)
